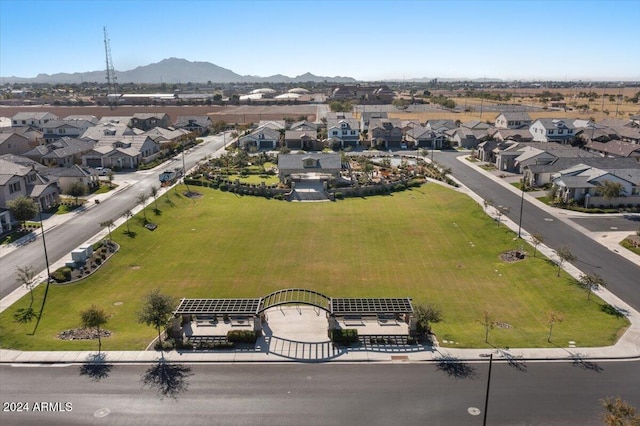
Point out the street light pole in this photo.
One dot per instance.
(486, 399)
(521, 205)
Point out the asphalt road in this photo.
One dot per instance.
(322, 394)
(620, 275)
(64, 238)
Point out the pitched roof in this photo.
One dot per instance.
(325, 160)
(516, 116)
(615, 147)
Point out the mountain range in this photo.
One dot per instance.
(173, 70)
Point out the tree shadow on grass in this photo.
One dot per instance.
(130, 234)
(157, 212)
(168, 380)
(169, 202)
(455, 368)
(95, 367)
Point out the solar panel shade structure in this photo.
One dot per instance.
(218, 306)
(371, 306)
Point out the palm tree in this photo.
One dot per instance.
(564, 255)
(94, 317)
(537, 239)
(142, 198)
(154, 194)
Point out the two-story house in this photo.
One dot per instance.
(513, 120)
(56, 129)
(14, 143)
(344, 131)
(552, 130)
(64, 152)
(17, 180)
(32, 119)
(302, 139)
(122, 152)
(147, 121)
(384, 132)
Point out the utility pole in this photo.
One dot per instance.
(524, 176)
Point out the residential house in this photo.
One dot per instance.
(273, 124)
(421, 137)
(365, 118)
(147, 121)
(615, 148)
(67, 176)
(18, 180)
(465, 137)
(441, 126)
(476, 125)
(322, 166)
(539, 175)
(200, 124)
(518, 155)
(385, 132)
(32, 119)
(488, 150)
(80, 117)
(304, 125)
(262, 138)
(583, 184)
(513, 120)
(166, 138)
(110, 127)
(62, 153)
(517, 135)
(5, 123)
(302, 139)
(14, 143)
(122, 152)
(344, 132)
(56, 129)
(552, 130)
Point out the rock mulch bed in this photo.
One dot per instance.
(82, 334)
(512, 256)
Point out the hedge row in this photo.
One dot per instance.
(242, 336)
(345, 336)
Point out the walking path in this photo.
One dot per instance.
(296, 339)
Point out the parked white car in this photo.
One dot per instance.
(103, 171)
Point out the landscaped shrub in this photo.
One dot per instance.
(339, 195)
(278, 197)
(224, 187)
(345, 336)
(97, 245)
(62, 275)
(242, 336)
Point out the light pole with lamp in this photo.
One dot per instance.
(486, 398)
(522, 183)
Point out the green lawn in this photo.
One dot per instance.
(432, 244)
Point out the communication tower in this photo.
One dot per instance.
(112, 85)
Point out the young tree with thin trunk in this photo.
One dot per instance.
(591, 282)
(94, 317)
(554, 317)
(142, 198)
(107, 224)
(154, 194)
(537, 239)
(25, 276)
(487, 322)
(110, 177)
(564, 255)
(76, 190)
(610, 190)
(156, 311)
(127, 215)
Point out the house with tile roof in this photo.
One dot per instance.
(14, 143)
(262, 138)
(17, 180)
(64, 152)
(32, 119)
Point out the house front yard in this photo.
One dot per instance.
(431, 244)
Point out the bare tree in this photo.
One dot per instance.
(554, 317)
(154, 194)
(142, 198)
(591, 282)
(127, 215)
(537, 239)
(487, 322)
(564, 255)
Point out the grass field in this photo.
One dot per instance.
(432, 244)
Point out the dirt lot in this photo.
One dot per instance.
(229, 114)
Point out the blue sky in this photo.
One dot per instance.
(367, 40)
